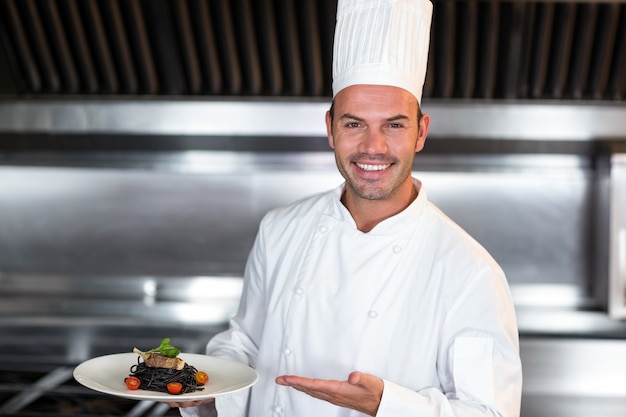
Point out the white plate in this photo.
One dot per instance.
(106, 374)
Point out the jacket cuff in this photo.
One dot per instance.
(399, 401)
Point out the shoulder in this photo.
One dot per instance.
(455, 245)
(307, 209)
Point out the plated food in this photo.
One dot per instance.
(111, 374)
(161, 370)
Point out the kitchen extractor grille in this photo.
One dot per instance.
(480, 49)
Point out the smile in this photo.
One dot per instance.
(368, 167)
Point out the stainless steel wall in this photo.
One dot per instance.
(202, 213)
(196, 213)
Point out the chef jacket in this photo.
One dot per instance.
(416, 301)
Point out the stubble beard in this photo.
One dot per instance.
(375, 190)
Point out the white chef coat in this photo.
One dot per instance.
(416, 301)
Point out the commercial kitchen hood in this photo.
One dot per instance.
(497, 68)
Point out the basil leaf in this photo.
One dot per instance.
(166, 349)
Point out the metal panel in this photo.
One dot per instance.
(305, 119)
(617, 306)
(196, 213)
(589, 368)
(572, 377)
(199, 220)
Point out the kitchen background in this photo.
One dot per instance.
(141, 141)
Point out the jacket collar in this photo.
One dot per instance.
(394, 224)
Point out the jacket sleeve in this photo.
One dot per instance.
(478, 364)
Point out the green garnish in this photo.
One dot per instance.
(166, 349)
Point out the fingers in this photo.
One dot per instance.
(293, 380)
(361, 392)
(354, 378)
(282, 380)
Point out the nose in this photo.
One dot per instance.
(374, 142)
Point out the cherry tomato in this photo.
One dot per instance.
(174, 387)
(132, 382)
(202, 377)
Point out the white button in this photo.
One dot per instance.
(397, 249)
(323, 229)
(278, 409)
(373, 314)
(287, 351)
(299, 290)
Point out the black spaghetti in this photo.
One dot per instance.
(156, 379)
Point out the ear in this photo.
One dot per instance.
(329, 131)
(423, 132)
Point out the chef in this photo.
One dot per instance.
(366, 299)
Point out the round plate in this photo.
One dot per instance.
(106, 374)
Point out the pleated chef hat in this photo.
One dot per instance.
(382, 42)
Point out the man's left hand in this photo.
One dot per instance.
(361, 392)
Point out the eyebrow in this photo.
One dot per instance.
(390, 119)
(350, 116)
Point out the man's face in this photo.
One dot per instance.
(375, 134)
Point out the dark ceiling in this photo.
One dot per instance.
(480, 49)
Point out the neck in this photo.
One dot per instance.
(369, 213)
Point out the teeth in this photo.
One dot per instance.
(367, 167)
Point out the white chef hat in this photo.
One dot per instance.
(382, 42)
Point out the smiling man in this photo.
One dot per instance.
(367, 299)
(375, 136)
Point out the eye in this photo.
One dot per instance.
(395, 125)
(352, 124)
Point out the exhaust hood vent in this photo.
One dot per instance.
(480, 49)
